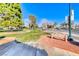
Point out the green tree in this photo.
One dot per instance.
(10, 15)
(32, 24)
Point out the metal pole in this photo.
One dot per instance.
(70, 29)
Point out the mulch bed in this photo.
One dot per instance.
(6, 40)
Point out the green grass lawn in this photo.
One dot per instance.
(26, 36)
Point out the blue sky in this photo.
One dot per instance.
(52, 12)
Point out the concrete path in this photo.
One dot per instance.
(49, 43)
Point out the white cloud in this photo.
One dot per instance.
(44, 20)
(26, 22)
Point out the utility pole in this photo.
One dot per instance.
(69, 23)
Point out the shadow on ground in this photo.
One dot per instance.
(74, 42)
(16, 48)
(2, 37)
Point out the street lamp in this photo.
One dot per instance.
(69, 23)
